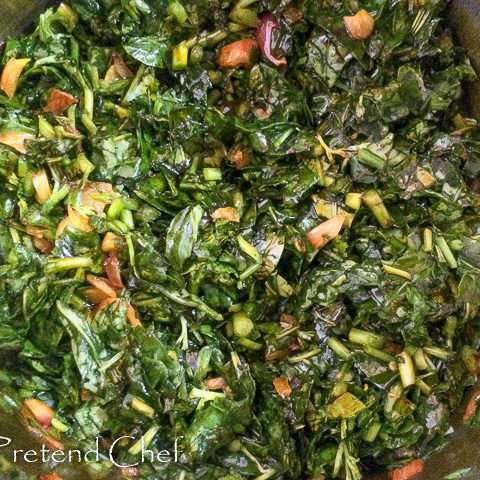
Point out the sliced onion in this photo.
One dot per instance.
(267, 24)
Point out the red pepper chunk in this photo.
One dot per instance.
(58, 101)
(408, 471)
(238, 54)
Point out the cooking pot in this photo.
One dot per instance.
(463, 451)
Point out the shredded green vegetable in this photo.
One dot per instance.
(251, 228)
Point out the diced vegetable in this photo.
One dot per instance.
(98, 195)
(75, 220)
(406, 369)
(472, 406)
(11, 74)
(326, 231)
(242, 325)
(227, 213)
(101, 284)
(192, 160)
(180, 57)
(360, 26)
(118, 70)
(33, 408)
(42, 186)
(96, 295)
(142, 407)
(264, 35)
(408, 471)
(50, 476)
(111, 242)
(373, 200)
(282, 386)
(58, 101)
(131, 317)
(215, 383)
(44, 245)
(16, 140)
(112, 268)
(238, 54)
(346, 406)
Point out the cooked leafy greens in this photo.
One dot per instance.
(253, 225)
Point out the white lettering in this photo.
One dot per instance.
(176, 448)
(60, 453)
(70, 455)
(110, 453)
(8, 441)
(96, 452)
(30, 453)
(163, 453)
(15, 455)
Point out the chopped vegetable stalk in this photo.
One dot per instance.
(205, 394)
(406, 369)
(142, 407)
(176, 9)
(242, 325)
(427, 240)
(397, 271)
(353, 200)
(180, 57)
(374, 201)
(59, 426)
(379, 354)
(45, 129)
(371, 159)
(249, 249)
(62, 264)
(363, 337)
(370, 434)
(212, 174)
(115, 208)
(447, 253)
(437, 352)
(145, 441)
(337, 346)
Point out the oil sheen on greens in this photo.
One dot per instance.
(374, 337)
